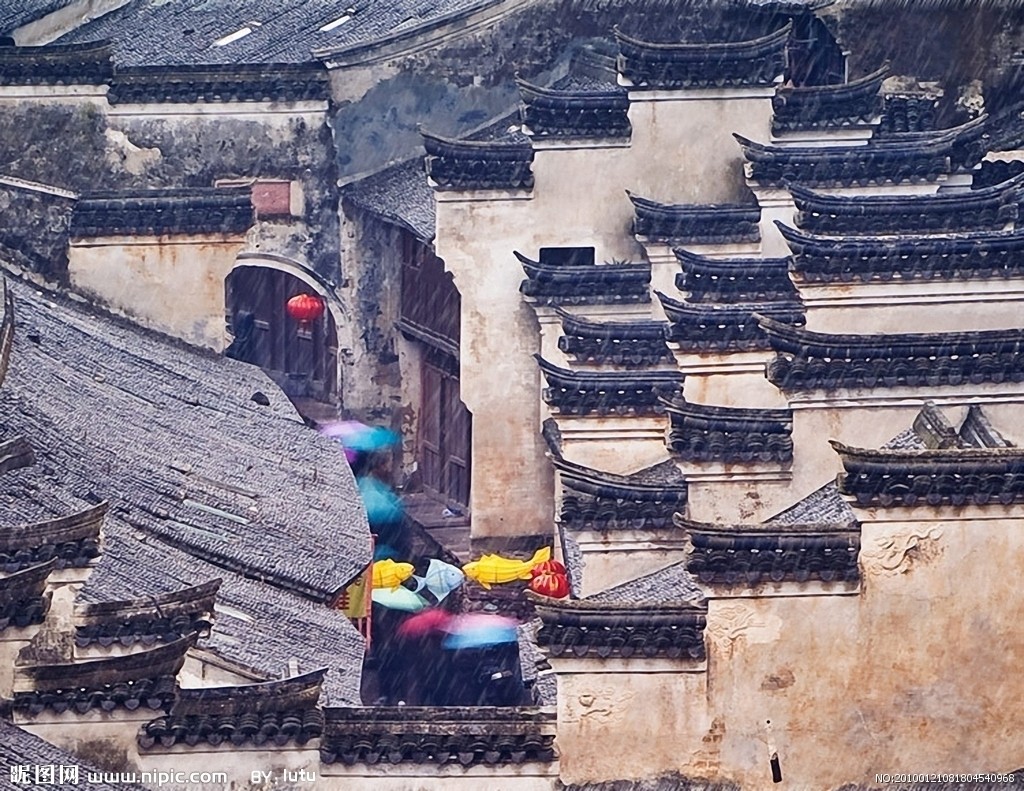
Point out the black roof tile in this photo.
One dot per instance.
(152, 32)
(171, 436)
(257, 628)
(23, 749)
(399, 194)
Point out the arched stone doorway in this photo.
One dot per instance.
(302, 360)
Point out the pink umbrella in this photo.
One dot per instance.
(426, 622)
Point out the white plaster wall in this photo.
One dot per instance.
(614, 557)
(678, 154)
(173, 284)
(630, 719)
(900, 307)
(916, 674)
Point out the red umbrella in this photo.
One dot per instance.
(426, 622)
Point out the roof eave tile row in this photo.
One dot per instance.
(601, 630)
(478, 164)
(748, 555)
(650, 65)
(934, 477)
(811, 360)
(449, 736)
(92, 63)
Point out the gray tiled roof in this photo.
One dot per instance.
(257, 627)
(20, 748)
(399, 194)
(670, 585)
(171, 437)
(155, 32)
(822, 506)
(534, 665)
(16, 13)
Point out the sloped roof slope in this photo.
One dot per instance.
(155, 32)
(173, 438)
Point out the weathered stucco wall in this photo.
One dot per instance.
(83, 144)
(199, 145)
(174, 284)
(921, 665)
(631, 718)
(916, 672)
(368, 340)
(455, 78)
(511, 488)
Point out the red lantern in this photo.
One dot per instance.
(548, 567)
(305, 308)
(550, 584)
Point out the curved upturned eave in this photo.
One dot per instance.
(610, 330)
(699, 51)
(796, 340)
(807, 199)
(865, 86)
(802, 243)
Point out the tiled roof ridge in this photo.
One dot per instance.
(130, 680)
(932, 476)
(734, 280)
(459, 164)
(696, 223)
(858, 101)
(852, 258)
(700, 326)
(88, 63)
(631, 344)
(904, 157)
(450, 735)
(165, 617)
(179, 210)
(789, 338)
(989, 208)
(245, 82)
(756, 62)
(597, 500)
(72, 540)
(583, 393)
(809, 360)
(24, 598)
(747, 555)
(595, 112)
(549, 284)
(706, 433)
(581, 628)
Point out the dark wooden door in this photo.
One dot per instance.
(445, 434)
(301, 359)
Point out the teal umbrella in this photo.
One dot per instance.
(383, 506)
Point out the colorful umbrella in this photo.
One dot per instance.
(425, 622)
(477, 630)
(359, 437)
